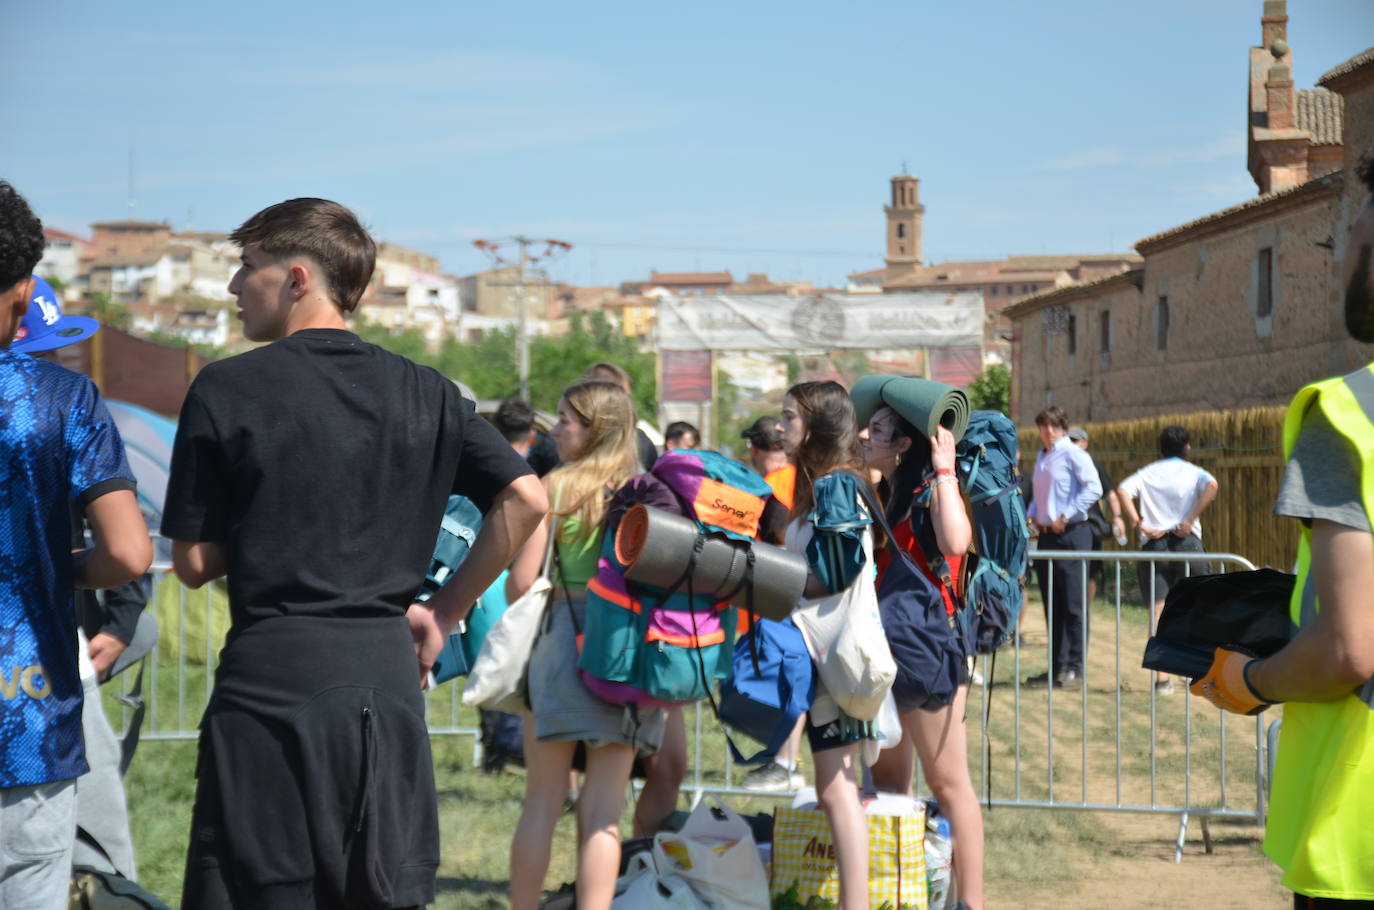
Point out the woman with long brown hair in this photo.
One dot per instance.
(830, 525)
(596, 440)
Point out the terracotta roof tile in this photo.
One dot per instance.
(1322, 113)
(1327, 183)
(52, 235)
(692, 278)
(1072, 292)
(1359, 61)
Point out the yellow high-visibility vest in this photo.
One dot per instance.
(1321, 812)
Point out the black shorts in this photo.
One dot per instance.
(828, 736)
(1166, 574)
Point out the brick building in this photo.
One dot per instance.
(1236, 308)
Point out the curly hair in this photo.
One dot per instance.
(21, 238)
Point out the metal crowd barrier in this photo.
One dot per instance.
(1183, 780)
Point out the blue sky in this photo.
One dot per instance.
(750, 136)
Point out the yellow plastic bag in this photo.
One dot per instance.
(804, 855)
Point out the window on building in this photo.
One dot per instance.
(1105, 343)
(1162, 323)
(1265, 301)
(901, 231)
(1072, 332)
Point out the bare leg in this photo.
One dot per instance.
(546, 787)
(787, 755)
(895, 771)
(598, 824)
(665, 768)
(839, 797)
(942, 745)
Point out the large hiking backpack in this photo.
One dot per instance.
(993, 593)
(986, 458)
(651, 646)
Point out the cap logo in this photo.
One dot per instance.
(48, 309)
(67, 332)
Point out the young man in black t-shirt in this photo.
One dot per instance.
(313, 473)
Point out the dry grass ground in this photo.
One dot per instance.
(1052, 859)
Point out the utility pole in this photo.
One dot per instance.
(523, 263)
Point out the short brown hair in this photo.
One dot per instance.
(326, 232)
(1053, 416)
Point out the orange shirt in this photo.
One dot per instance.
(782, 481)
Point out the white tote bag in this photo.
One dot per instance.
(643, 887)
(496, 680)
(715, 853)
(844, 633)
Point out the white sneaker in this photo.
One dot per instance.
(772, 778)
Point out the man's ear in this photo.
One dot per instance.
(301, 281)
(14, 303)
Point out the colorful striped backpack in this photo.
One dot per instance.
(650, 646)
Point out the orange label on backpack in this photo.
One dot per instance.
(728, 507)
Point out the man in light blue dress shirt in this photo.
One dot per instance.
(1065, 487)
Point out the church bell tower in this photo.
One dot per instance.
(904, 227)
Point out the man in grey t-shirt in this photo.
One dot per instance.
(1323, 782)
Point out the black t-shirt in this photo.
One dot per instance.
(324, 463)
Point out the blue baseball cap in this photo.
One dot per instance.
(44, 328)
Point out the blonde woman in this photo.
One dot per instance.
(596, 440)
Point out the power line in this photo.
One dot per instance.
(724, 249)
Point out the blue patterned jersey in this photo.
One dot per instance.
(58, 445)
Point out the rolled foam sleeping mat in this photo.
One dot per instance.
(924, 403)
(656, 547)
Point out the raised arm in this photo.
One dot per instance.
(121, 550)
(953, 531)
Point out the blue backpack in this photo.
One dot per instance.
(986, 459)
(772, 682)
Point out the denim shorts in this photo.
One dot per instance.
(37, 830)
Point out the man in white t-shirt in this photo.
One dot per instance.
(1173, 493)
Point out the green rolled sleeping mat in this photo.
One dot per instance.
(923, 403)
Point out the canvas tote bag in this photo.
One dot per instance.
(496, 680)
(844, 633)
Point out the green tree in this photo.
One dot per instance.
(991, 390)
(555, 363)
(102, 308)
(406, 342)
